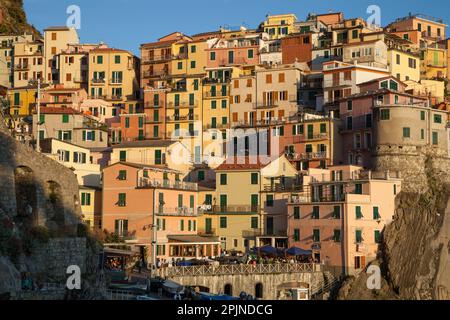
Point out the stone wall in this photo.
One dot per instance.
(45, 172)
(247, 282)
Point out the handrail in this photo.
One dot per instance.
(238, 269)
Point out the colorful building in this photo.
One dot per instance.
(340, 215)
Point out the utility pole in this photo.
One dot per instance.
(38, 107)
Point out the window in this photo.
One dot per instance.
(122, 200)
(296, 213)
(65, 118)
(193, 49)
(296, 234)
(117, 59)
(158, 157)
(269, 200)
(254, 178)
(437, 118)
(99, 59)
(435, 138)
(422, 134)
(79, 157)
(358, 212)
(193, 65)
(223, 222)
(376, 213)
(281, 78)
(316, 235)
(377, 236)
(355, 34)
(315, 213)
(64, 155)
(422, 115)
(250, 54)
(254, 223)
(223, 179)
(212, 56)
(123, 156)
(180, 65)
(323, 128)
(121, 227)
(337, 212)
(384, 114)
(337, 235)
(182, 225)
(398, 59)
(358, 236)
(127, 122)
(349, 123)
(201, 175)
(268, 78)
(123, 175)
(85, 199)
(406, 132)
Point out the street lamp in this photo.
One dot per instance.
(38, 103)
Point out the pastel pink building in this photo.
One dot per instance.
(242, 50)
(138, 197)
(340, 215)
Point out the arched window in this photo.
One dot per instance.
(259, 290)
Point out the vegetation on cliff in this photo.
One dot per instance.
(14, 18)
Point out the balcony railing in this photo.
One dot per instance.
(176, 211)
(235, 209)
(168, 184)
(23, 66)
(216, 80)
(191, 117)
(216, 126)
(266, 105)
(98, 81)
(149, 74)
(152, 104)
(207, 232)
(236, 269)
(115, 98)
(308, 198)
(116, 81)
(307, 156)
(217, 94)
(98, 96)
(159, 58)
(309, 137)
(183, 105)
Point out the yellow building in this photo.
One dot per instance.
(7, 43)
(278, 26)
(56, 40)
(434, 62)
(113, 75)
(91, 206)
(28, 62)
(404, 65)
(239, 212)
(22, 100)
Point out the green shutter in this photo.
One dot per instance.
(158, 157)
(358, 212)
(191, 202)
(254, 223)
(223, 222)
(223, 179)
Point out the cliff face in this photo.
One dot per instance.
(415, 255)
(14, 18)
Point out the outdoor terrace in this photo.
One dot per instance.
(145, 182)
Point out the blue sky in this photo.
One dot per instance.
(126, 24)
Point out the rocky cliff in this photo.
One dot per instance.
(14, 19)
(415, 255)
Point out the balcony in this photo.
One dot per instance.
(22, 67)
(337, 83)
(216, 126)
(278, 187)
(307, 156)
(211, 232)
(155, 59)
(151, 74)
(235, 209)
(176, 211)
(115, 98)
(116, 81)
(166, 184)
(310, 137)
(98, 81)
(79, 80)
(266, 105)
(153, 104)
(207, 81)
(153, 120)
(179, 89)
(217, 94)
(251, 233)
(98, 96)
(306, 197)
(176, 118)
(260, 123)
(17, 103)
(183, 105)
